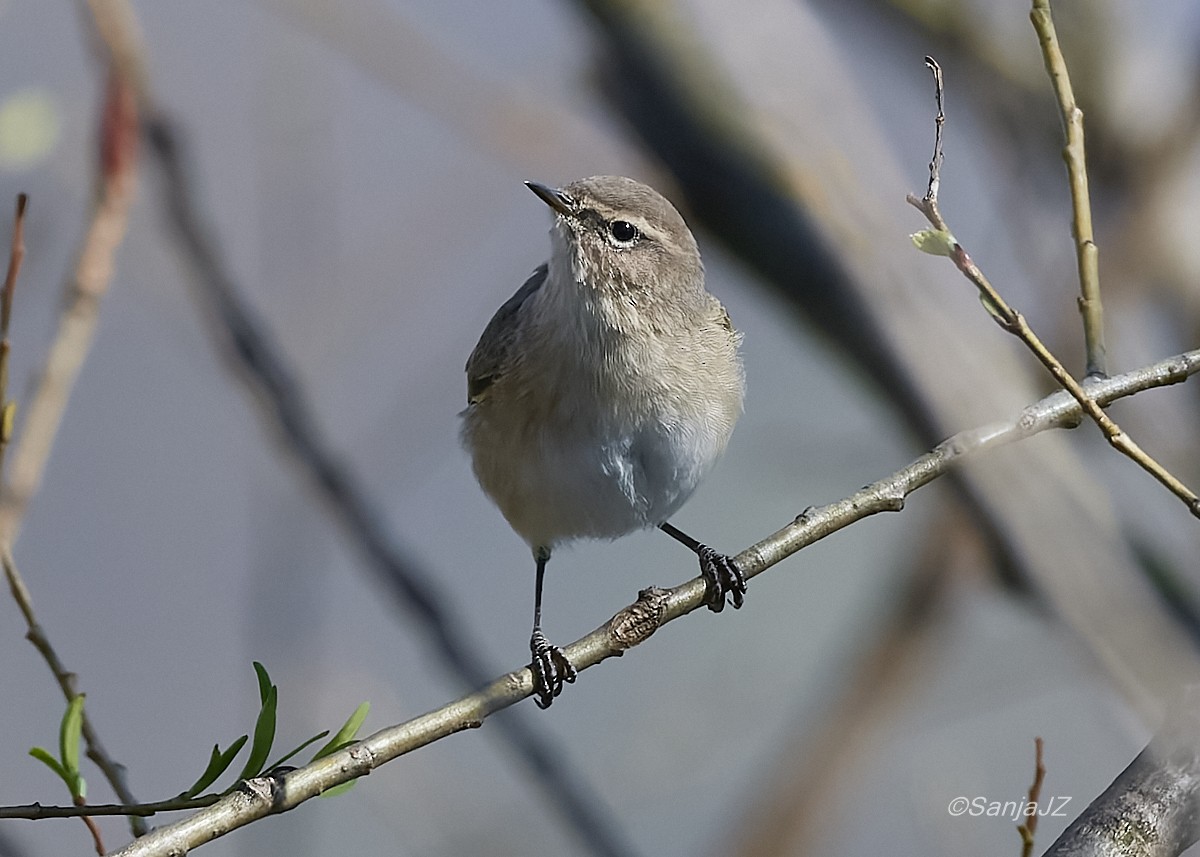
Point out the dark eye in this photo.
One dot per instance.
(623, 231)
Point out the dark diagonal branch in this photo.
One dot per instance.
(266, 372)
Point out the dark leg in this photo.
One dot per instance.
(550, 666)
(719, 571)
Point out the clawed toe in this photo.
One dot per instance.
(550, 667)
(722, 577)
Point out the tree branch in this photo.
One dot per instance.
(1153, 808)
(117, 179)
(634, 624)
(942, 242)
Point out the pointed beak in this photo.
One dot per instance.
(556, 199)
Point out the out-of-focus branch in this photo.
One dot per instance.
(77, 323)
(16, 255)
(637, 622)
(117, 179)
(17, 588)
(1153, 808)
(1086, 251)
(267, 374)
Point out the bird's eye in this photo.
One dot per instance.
(623, 232)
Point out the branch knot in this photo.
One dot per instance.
(639, 620)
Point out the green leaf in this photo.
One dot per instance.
(75, 783)
(69, 733)
(345, 735)
(292, 754)
(43, 756)
(264, 733)
(935, 242)
(264, 682)
(217, 764)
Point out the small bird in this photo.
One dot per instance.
(603, 391)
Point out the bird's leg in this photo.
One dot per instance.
(550, 666)
(721, 575)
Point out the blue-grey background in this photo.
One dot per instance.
(372, 206)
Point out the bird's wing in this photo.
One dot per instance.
(493, 353)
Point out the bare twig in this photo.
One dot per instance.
(94, 830)
(1013, 322)
(1086, 251)
(16, 255)
(77, 323)
(117, 175)
(36, 811)
(112, 770)
(633, 625)
(935, 163)
(1029, 828)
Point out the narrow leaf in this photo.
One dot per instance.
(75, 783)
(264, 682)
(216, 766)
(43, 756)
(69, 732)
(345, 735)
(264, 736)
(279, 762)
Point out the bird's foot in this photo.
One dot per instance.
(550, 669)
(722, 577)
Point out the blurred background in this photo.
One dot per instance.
(359, 166)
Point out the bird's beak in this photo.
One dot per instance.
(556, 199)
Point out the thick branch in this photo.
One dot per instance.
(654, 608)
(1153, 808)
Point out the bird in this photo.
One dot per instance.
(604, 390)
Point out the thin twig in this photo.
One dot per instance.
(77, 323)
(15, 257)
(633, 625)
(935, 163)
(112, 770)
(117, 175)
(1029, 828)
(37, 811)
(1086, 252)
(1013, 322)
(94, 830)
